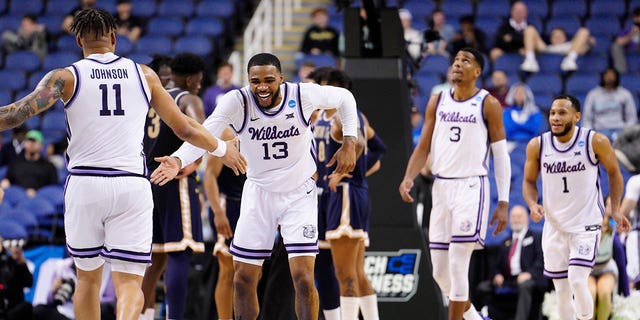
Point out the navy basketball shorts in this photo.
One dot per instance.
(176, 216)
(232, 208)
(348, 212)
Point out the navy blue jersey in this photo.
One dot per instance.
(322, 135)
(230, 184)
(359, 173)
(161, 141)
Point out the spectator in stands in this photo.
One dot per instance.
(628, 41)
(14, 278)
(468, 36)
(30, 170)
(438, 22)
(10, 150)
(510, 35)
(59, 302)
(129, 26)
(445, 86)
(30, 36)
(224, 76)
(499, 86)
(83, 4)
(303, 72)
(609, 107)
(522, 118)
(603, 280)
(518, 270)
(412, 37)
(320, 38)
(558, 44)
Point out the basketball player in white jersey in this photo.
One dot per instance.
(271, 118)
(461, 127)
(108, 198)
(567, 158)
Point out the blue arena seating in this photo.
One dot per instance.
(570, 24)
(436, 64)
(536, 8)
(420, 9)
(39, 207)
(199, 45)
(21, 7)
(455, 9)
(563, 8)
(14, 194)
(592, 63)
(67, 43)
(550, 63)
(22, 60)
(607, 7)
(140, 58)
(153, 45)
(23, 217)
(12, 79)
(165, 26)
(582, 83)
(54, 194)
(59, 59)
(545, 83)
(493, 8)
(60, 7)
(143, 8)
(5, 97)
(53, 23)
(210, 27)
(10, 22)
(426, 83)
(216, 8)
(12, 230)
(603, 25)
(176, 8)
(509, 63)
(123, 46)
(321, 60)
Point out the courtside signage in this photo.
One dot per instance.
(393, 274)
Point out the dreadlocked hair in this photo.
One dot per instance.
(93, 21)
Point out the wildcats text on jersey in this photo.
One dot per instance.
(393, 274)
(563, 167)
(456, 117)
(271, 133)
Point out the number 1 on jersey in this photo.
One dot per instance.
(105, 107)
(564, 180)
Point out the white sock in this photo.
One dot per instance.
(369, 307)
(148, 314)
(530, 55)
(349, 308)
(471, 314)
(333, 314)
(572, 55)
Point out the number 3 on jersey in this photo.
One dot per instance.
(455, 134)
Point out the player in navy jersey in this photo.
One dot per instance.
(271, 118)
(347, 235)
(177, 224)
(224, 191)
(108, 204)
(462, 126)
(567, 158)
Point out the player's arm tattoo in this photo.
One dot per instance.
(47, 92)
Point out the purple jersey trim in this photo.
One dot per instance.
(304, 121)
(102, 172)
(246, 114)
(144, 92)
(109, 62)
(76, 87)
(586, 145)
(570, 147)
(556, 274)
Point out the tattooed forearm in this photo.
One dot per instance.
(44, 96)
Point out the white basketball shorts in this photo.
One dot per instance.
(262, 211)
(109, 218)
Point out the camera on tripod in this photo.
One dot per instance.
(64, 292)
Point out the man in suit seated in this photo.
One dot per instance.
(518, 272)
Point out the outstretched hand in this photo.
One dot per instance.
(233, 158)
(500, 217)
(168, 169)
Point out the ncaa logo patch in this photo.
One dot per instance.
(581, 143)
(393, 274)
(309, 231)
(291, 103)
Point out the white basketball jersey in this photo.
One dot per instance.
(277, 146)
(106, 117)
(460, 141)
(571, 194)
